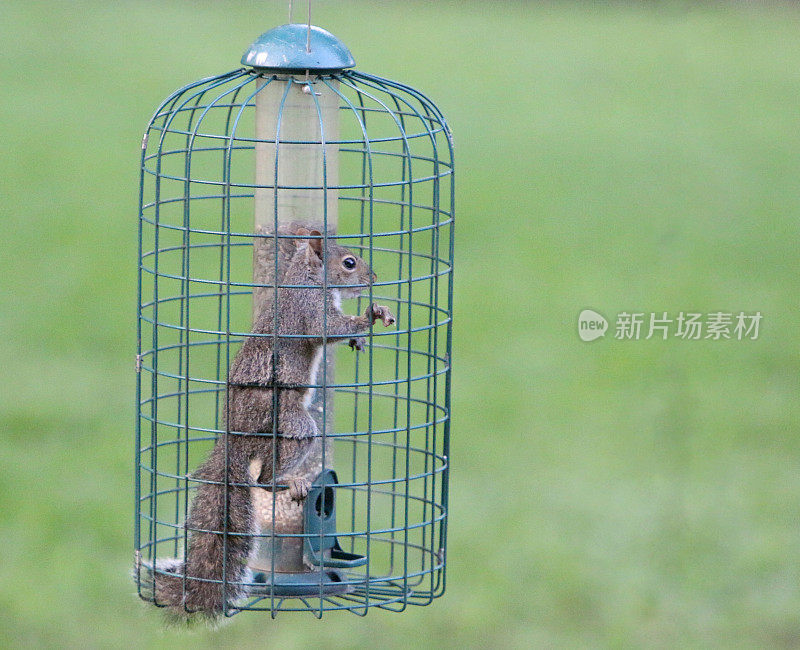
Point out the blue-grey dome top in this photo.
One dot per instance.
(284, 48)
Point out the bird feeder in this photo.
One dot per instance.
(231, 166)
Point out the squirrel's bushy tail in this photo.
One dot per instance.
(193, 587)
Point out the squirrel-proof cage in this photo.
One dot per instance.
(231, 167)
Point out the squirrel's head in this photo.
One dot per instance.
(344, 267)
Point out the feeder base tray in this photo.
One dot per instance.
(311, 583)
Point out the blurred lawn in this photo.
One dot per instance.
(619, 494)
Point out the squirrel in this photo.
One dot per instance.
(248, 448)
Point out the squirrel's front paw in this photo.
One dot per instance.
(357, 343)
(298, 488)
(382, 313)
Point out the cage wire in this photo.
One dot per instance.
(388, 436)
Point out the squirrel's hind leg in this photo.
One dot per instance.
(297, 435)
(294, 420)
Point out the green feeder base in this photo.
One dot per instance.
(308, 583)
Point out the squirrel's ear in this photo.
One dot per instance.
(300, 235)
(315, 244)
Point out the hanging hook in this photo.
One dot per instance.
(308, 33)
(307, 88)
(290, 12)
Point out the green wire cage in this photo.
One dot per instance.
(231, 166)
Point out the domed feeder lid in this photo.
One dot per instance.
(284, 48)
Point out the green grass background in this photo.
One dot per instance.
(620, 157)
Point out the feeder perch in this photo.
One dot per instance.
(321, 544)
(231, 166)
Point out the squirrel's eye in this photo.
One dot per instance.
(349, 263)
